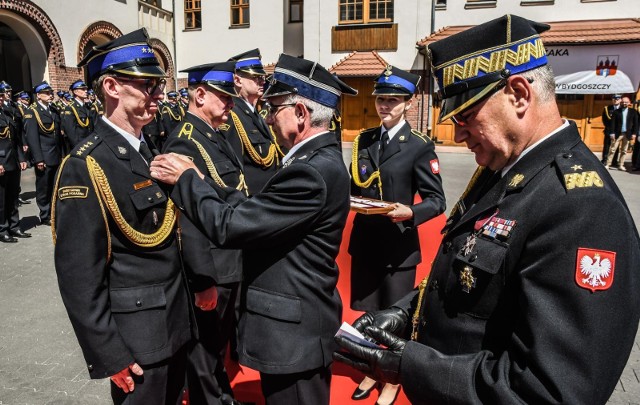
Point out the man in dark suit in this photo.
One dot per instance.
(290, 234)
(172, 112)
(533, 291)
(607, 115)
(42, 127)
(246, 130)
(116, 251)
(622, 131)
(12, 162)
(214, 273)
(77, 122)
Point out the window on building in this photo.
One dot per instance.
(365, 11)
(239, 13)
(537, 2)
(480, 4)
(295, 10)
(192, 15)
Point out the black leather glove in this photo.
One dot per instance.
(378, 363)
(392, 320)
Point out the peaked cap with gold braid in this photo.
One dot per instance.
(470, 64)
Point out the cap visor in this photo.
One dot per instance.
(143, 71)
(278, 89)
(230, 90)
(456, 104)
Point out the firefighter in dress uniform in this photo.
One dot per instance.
(532, 297)
(246, 129)
(214, 273)
(116, 237)
(77, 120)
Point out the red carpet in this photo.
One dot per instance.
(246, 384)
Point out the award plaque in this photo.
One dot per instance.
(369, 206)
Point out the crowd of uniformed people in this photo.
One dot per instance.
(211, 217)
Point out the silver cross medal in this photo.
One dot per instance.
(469, 244)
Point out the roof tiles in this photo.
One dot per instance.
(570, 32)
(360, 64)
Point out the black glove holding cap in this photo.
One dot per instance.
(392, 320)
(379, 363)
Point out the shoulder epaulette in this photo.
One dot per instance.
(420, 135)
(577, 172)
(224, 127)
(84, 149)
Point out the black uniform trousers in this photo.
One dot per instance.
(45, 181)
(308, 387)
(9, 191)
(160, 383)
(379, 286)
(207, 376)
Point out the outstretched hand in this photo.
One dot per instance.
(379, 363)
(169, 167)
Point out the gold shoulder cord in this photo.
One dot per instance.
(40, 124)
(4, 133)
(606, 111)
(246, 144)
(143, 240)
(170, 112)
(53, 209)
(186, 130)
(423, 284)
(82, 124)
(355, 174)
(242, 185)
(415, 321)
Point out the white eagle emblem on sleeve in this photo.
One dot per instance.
(595, 270)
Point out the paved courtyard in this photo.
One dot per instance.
(41, 362)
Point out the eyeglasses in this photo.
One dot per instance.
(272, 109)
(260, 79)
(151, 85)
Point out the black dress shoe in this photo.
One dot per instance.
(23, 201)
(359, 394)
(46, 222)
(8, 239)
(20, 234)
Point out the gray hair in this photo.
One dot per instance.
(320, 115)
(543, 82)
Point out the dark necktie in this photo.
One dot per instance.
(384, 140)
(145, 152)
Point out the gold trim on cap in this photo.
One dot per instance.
(497, 60)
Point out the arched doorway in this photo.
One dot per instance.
(14, 59)
(43, 53)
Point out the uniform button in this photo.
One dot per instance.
(473, 258)
(567, 155)
(433, 285)
(139, 303)
(150, 199)
(90, 367)
(423, 323)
